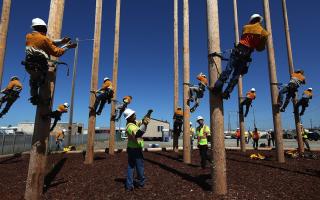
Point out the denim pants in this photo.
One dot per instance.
(246, 102)
(101, 99)
(135, 160)
(303, 102)
(238, 64)
(290, 91)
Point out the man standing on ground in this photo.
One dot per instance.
(203, 131)
(238, 136)
(256, 137)
(135, 130)
(192, 132)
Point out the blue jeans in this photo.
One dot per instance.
(238, 64)
(59, 144)
(290, 91)
(135, 160)
(101, 100)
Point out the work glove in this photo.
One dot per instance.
(71, 45)
(143, 128)
(65, 40)
(146, 121)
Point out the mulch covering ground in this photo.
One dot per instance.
(167, 177)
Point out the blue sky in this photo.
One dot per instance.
(146, 55)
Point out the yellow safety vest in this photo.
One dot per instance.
(133, 142)
(200, 131)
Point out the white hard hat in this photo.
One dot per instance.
(253, 89)
(38, 22)
(105, 79)
(66, 105)
(310, 88)
(202, 74)
(64, 130)
(199, 118)
(256, 16)
(128, 112)
(14, 77)
(190, 123)
(238, 128)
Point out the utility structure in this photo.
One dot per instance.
(175, 66)
(291, 70)
(38, 152)
(74, 73)
(115, 77)
(5, 16)
(273, 85)
(219, 177)
(94, 82)
(240, 94)
(186, 79)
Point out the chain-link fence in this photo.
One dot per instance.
(17, 143)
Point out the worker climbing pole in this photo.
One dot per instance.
(186, 79)
(115, 77)
(94, 82)
(274, 89)
(176, 73)
(38, 152)
(5, 16)
(241, 118)
(196, 92)
(219, 177)
(291, 70)
(11, 94)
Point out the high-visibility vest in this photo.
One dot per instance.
(256, 135)
(251, 95)
(200, 133)
(133, 142)
(304, 134)
(192, 131)
(62, 108)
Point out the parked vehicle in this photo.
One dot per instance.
(313, 136)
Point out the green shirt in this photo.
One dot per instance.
(200, 134)
(133, 142)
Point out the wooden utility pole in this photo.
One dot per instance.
(115, 77)
(273, 86)
(240, 94)
(74, 73)
(38, 152)
(176, 56)
(291, 70)
(5, 15)
(186, 79)
(219, 177)
(176, 67)
(94, 82)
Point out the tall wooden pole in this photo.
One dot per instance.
(273, 86)
(186, 79)
(74, 73)
(176, 57)
(176, 67)
(291, 70)
(219, 177)
(94, 82)
(38, 152)
(5, 15)
(240, 94)
(115, 77)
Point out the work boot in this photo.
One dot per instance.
(34, 100)
(192, 110)
(301, 113)
(1, 114)
(98, 113)
(226, 95)
(282, 109)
